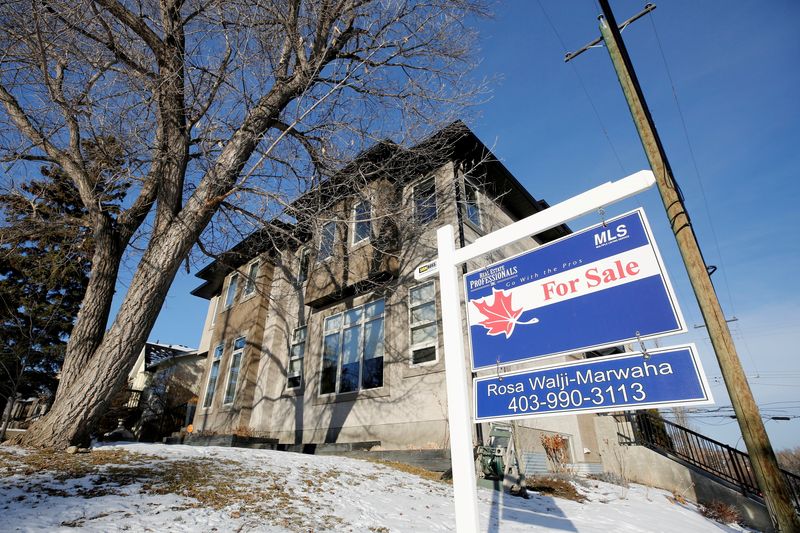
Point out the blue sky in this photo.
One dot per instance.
(564, 128)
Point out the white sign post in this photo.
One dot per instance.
(458, 397)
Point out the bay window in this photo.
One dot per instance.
(352, 350)
(212, 376)
(233, 371)
(326, 241)
(362, 212)
(294, 374)
(422, 323)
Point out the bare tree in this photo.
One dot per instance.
(214, 103)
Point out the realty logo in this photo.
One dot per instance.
(500, 316)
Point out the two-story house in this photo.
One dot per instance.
(317, 331)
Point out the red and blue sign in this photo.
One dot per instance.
(600, 287)
(664, 377)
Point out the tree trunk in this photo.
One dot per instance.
(105, 373)
(93, 315)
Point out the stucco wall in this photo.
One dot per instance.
(409, 410)
(246, 317)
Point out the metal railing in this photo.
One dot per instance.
(705, 454)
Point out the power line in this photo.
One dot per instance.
(585, 90)
(699, 181)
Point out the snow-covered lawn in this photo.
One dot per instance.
(151, 487)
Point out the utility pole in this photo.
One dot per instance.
(765, 466)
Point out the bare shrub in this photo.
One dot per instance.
(789, 459)
(721, 512)
(556, 447)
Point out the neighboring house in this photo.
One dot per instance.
(25, 411)
(318, 333)
(163, 386)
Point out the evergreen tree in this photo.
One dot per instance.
(45, 261)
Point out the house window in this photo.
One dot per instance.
(230, 296)
(362, 212)
(471, 206)
(233, 372)
(352, 351)
(422, 322)
(212, 376)
(326, 241)
(302, 273)
(250, 284)
(298, 351)
(425, 201)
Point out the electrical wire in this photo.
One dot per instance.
(585, 90)
(699, 181)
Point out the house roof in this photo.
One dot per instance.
(155, 353)
(264, 240)
(390, 160)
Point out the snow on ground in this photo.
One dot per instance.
(152, 487)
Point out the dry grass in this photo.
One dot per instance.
(205, 482)
(415, 470)
(553, 486)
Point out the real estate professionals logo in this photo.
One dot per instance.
(600, 287)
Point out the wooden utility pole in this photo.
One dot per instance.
(765, 466)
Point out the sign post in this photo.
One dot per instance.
(458, 399)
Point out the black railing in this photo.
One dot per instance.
(701, 452)
(134, 398)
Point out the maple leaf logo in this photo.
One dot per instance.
(500, 316)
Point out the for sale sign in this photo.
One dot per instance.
(664, 377)
(600, 287)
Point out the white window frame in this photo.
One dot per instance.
(363, 321)
(249, 288)
(320, 257)
(234, 352)
(420, 184)
(216, 358)
(292, 357)
(233, 280)
(215, 311)
(471, 185)
(414, 325)
(368, 222)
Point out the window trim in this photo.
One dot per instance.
(207, 402)
(215, 312)
(355, 223)
(238, 369)
(471, 184)
(228, 294)
(319, 258)
(363, 322)
(292, 357)
(412, 325)
(304, 255)
(414, 188)
(250, 280)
